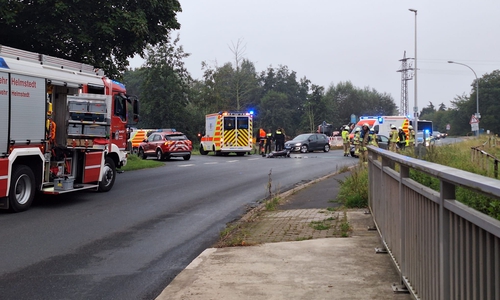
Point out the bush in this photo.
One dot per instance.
(354, 189)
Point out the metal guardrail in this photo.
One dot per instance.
(485, 160)
(441, 248)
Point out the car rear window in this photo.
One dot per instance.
(175, 137)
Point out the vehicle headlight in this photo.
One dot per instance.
(298, 144)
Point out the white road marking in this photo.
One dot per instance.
(211, 163)
(188, 165)
(253, 158)
(232, 161)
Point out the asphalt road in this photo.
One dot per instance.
(131, 242)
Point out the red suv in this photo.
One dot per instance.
(166, 144)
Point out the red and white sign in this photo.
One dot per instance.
(473, 120)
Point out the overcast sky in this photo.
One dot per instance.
(362, 41)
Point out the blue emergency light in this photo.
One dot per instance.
(380, 120)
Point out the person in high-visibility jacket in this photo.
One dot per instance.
(393, 138)
(262, 141)
(411, 139)
(356, 140)
(373, 137)
(269, 141)
(345, 140)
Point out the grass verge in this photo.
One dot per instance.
(136, 163)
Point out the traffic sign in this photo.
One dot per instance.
(448, 126)
(474, 120)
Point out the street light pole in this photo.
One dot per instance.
(478, 116)
(415, 108)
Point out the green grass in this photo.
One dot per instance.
(321, 225)
(233, 235)
(353, 191)
(272, 203)
(136, 163)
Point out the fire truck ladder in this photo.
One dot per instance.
(48, 60)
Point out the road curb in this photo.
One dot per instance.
(252, 212)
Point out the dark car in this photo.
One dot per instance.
(166, 144)
(308, 142)
(382, 140)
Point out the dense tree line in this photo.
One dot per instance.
(170, 98)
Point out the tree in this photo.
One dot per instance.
(165, 92)
(314, 108)
(430, 109)
(244, 81)
(345, 99)
(100, 33)
(275, 111)
(282, 80)
(460, 115)
(489, 95)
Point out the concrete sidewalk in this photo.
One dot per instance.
(295, 260)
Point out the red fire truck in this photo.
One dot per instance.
(63, 127)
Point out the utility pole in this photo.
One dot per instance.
(405, 76)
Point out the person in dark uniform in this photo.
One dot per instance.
(279, 137)
(269, 141)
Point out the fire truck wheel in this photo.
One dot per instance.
(187, 157)
(108, 179)
(22, 188)
(202, 151)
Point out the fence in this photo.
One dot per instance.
(441, 248)
(485, 160)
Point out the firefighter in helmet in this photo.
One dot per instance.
(393, 138)
(364, 142)
(345, 139)
(356, 140)
(411, 140)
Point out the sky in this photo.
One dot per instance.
(361, 41)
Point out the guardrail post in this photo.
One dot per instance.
(403, 174)
(447, 193)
